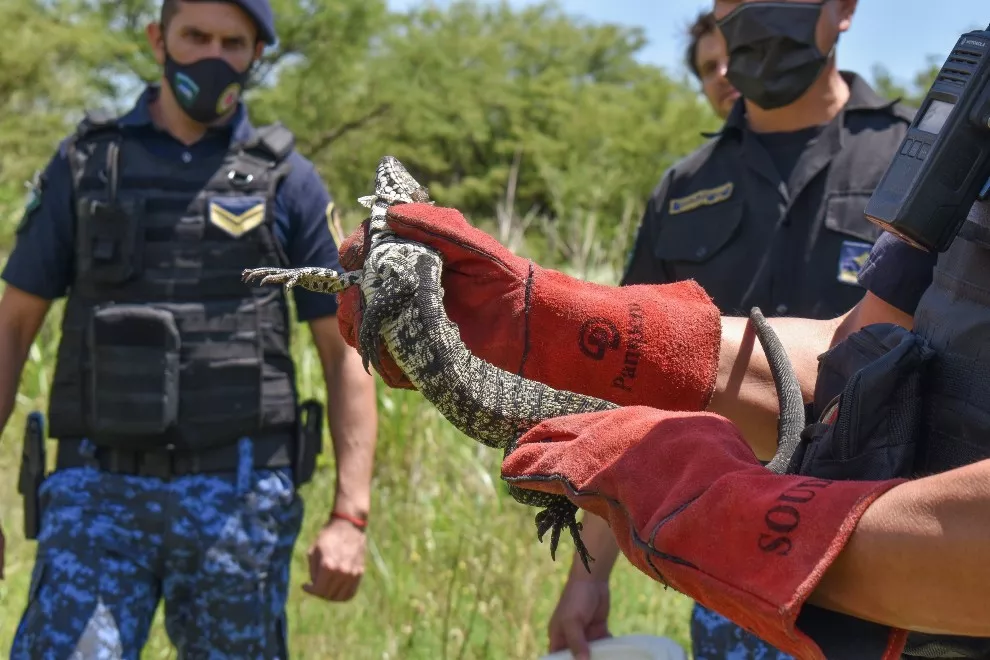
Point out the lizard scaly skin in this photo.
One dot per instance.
(403, 305)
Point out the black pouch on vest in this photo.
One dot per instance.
(134, 375)
(869, 406)
(871, 428)
(110, 240)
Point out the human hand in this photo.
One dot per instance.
(581, 616)
(336, 561)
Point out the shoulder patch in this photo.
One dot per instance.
(237, 215)
(852, 258)
(706, 197)
(32, 202)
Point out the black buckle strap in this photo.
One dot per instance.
(165, 464)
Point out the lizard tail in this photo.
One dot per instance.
(791, 421)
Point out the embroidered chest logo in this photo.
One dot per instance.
(237, 215)
(852, 258)
(706, 197)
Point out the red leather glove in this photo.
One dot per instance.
(652, 345)
(691, 507)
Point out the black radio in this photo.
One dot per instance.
(943, 165)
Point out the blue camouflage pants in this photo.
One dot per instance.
(714, 637)
(216, 547)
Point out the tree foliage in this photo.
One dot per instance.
(919, 84)
(44, 79)
(461, 94)
(528, 117)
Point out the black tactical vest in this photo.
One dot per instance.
(892, 403)
(162, 344)
(953, 316)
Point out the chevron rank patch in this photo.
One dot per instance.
(237, 215)
(852, 258)
(706, 197)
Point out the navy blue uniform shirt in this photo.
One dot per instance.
(773, 220)
(42, 262)
(897, 272)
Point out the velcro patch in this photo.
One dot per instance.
(705, 197)
(852, 258)
(237, 215)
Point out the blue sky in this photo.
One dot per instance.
(896, 33)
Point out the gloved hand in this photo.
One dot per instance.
(691, 507)
(630, 345)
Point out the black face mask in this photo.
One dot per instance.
(205, 89)
(773, 57)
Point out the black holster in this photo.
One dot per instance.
(309, 441)
(32, 473)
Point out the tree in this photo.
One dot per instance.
(48, 73)
(531, 116)
(463, 93)
(919, 85)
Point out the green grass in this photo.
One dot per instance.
(454, 569)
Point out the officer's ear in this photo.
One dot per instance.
(844, 13)
(156, 39)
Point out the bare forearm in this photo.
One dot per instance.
(918, 558)
(353, 421)
(11, 365)
(21, 315)
(744, 393)
(598, 538)
(744, 390)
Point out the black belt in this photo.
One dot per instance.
(269, 453)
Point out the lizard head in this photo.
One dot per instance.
(393, 182)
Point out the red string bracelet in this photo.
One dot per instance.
(357, 522)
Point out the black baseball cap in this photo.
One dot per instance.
(260, 11)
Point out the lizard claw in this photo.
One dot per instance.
(287, 276)
(313, 278)
(262, 274)
(554, 518)
(558, 512)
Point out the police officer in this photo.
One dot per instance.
(768, 213)
(174, 396)
(707, 58)
(787, 177)
(952, 315)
